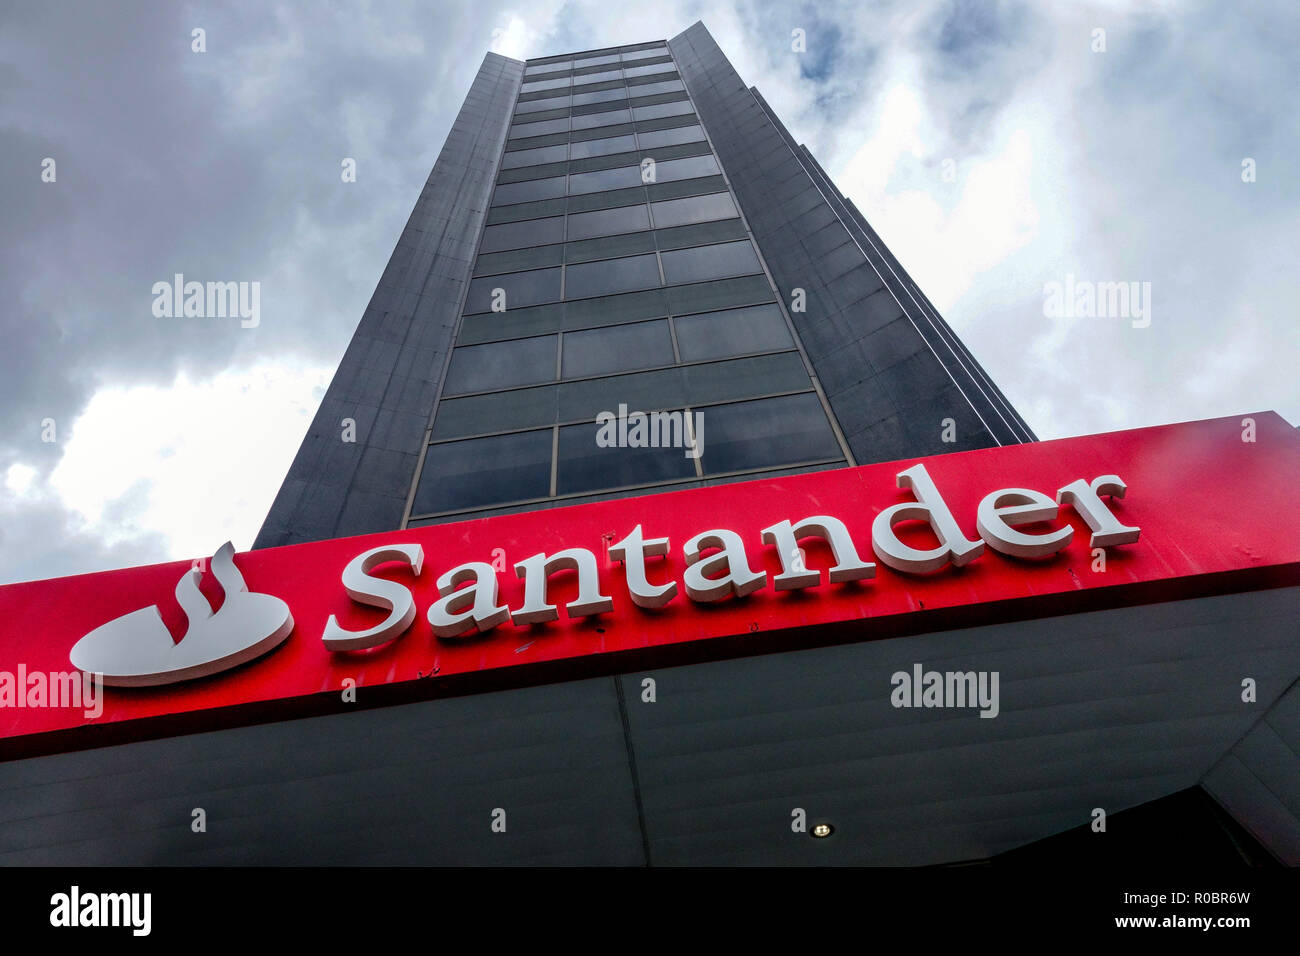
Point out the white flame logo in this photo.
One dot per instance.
(136, 649)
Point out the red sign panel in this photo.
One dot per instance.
(1214, 502)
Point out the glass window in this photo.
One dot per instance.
(710, 335)
(710, 262)
(600, 96)
(580, 62)
(660, 110)
(532, 86)
(620, 177)
(615, 309)
(589, 456)
(485, 471)
(607, 118)
(608, 222)
(719, 294)
(546, 100)
(479, 368)
(531, 157)
(587, 202)
(521, 288)
(528, 191)
(766, 432)
(604, 76)
(610, 275)
(744, 378)
(520, 260)
(517, 235)
(488, 412)
(608, 247)
(539, 129)
(602, 147)
(618, 348)
(522, 211)
(678, 212)
(649, 69)
(585, 85)
(683, 237)
(645, 54)
(669, 137)
(671, 170)
(582, 399)
(650, 89)
(555, 67)
(538, 106)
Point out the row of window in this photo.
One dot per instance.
(597, 128)
(584, 149)
(634, 102)
(576, 459)
(621, 92)
(611, 246)
(605, 350)
(608, 222)
(582, 280)
(670, 104)
(615, 79)
(594, 59)
(579, 400)
(529, 125)
(612, 72)
(618, 177)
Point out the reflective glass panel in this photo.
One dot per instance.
(520, 289)
(611, 275)
(532, 157)
(528, 191)
(669, 137)
(678, 212)
(585, 465)
(710, 335)
(602, 147)
(659, 110)
(618, 348)
(485, 471)
(600, 96)
(620, 177)
(765, 433)
(710, 262)
(607, 118)
(692, 167)
(608, 222)
(519, 235)
(479, 368)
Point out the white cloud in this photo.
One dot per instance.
(194, 462)
(512, 40)
(19, 478)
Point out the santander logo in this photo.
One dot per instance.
(136, 649)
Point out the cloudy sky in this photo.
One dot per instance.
(992, 146)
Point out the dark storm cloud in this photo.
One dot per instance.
(222, 165)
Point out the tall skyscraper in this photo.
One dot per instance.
(617, 231)
(664, 681)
